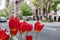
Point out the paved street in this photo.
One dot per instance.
(51, 31)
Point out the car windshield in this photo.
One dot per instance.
(2, 17)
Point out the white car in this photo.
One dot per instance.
(3, 19)
(28, 18)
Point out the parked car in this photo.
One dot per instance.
(3, 19)
(28, 18)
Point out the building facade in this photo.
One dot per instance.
(14, 9)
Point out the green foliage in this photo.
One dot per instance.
(35, 3)
(48, 20)
(26, 10)
(55, 5)
(6, 12)
(1, 14)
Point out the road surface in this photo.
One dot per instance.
(51, 31)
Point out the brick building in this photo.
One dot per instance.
(14, 9)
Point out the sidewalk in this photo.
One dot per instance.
(52, 23)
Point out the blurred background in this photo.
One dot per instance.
(47, 11)
(44, 10)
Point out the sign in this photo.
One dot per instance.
(2, 4)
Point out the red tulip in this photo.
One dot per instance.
(28, 37)
(29, 28)
(13, 25)
(37, 23)
(22, 27)
(3, 35)
(39, 27)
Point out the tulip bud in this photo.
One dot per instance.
(3, 35)
(22, 27)
(38, 27)
(29, 28)
(13, 25)
(28, 37)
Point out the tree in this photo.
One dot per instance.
(7, 10)
(54, 7)
(2, 14)
(26, 10)
(41, 4)
(48, 6)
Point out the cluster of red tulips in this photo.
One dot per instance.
(16, 26)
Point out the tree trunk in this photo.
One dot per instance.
(46, 11)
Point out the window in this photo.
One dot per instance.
(36, 12)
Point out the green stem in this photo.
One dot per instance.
(26, 34)
(20, 36)
(37, 36)
(11, 38)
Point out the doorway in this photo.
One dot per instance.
(36, 12)
(55, 18)
(59, 19)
